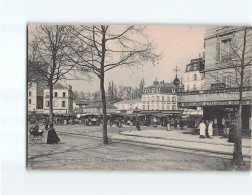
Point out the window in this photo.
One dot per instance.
(152, 107)
(174, 99)
(226, 51)
(143, 99)
(55, 94)
(157, 98)
(157, 107)
(64, 94)
(162, 107)
(162, 98)
(30, 93)
(188, 87)
(148, 107)
(47, 103)
(174, 107)
(194, 87)
(195, 77)
(168, 107)
(47, 94)
(55, 104)
(152, 98)
(168, 98)
(30, 101)
(143, 107)
(63, 104)
(173, 90)
(148, 99)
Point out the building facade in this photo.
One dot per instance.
(193, 79)
(62, 99)
(160, 96)
(35, 97)
(220, 96)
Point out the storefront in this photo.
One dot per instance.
(219, 106)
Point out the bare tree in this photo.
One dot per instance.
(48, 56)
(110, 47)
(240, 57)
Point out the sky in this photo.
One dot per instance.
(178, 45)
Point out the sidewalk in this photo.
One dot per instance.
(179, 139)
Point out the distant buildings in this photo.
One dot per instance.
(62, 99)
(128, 105)
(160, 96)
(96, 108)
(193, 79)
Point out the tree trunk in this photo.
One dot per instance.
(51, 104)
(102, 75)
(104, 111)
(237, 156)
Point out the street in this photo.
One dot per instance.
(81, 148)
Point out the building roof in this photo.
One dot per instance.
(59, 86)
(99, 105)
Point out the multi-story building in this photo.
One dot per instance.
(62, 99)
(220, 97)
(35, 97)
(161, 97)
(193, 79)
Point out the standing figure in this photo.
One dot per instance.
(175, 123)
(202, 128)
(207, 124)
(210, 130)
(181, 124)
(52, 137)
(168, 125)
(138, 126)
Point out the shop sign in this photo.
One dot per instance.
(218, 85)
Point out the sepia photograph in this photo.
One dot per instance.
(138, 97)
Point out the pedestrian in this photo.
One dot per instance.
(207, 123)
(138, 126)
(52, 137)
(210, 130)
(202, 128)
(168, 125)
(181, 124)
(175, 123)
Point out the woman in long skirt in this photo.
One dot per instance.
(52, 137)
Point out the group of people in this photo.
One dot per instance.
(206, 129)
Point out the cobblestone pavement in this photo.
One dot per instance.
(81, 148)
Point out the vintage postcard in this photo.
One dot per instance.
(139, 97)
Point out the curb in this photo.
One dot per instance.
(172, 139)
(179, 147)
